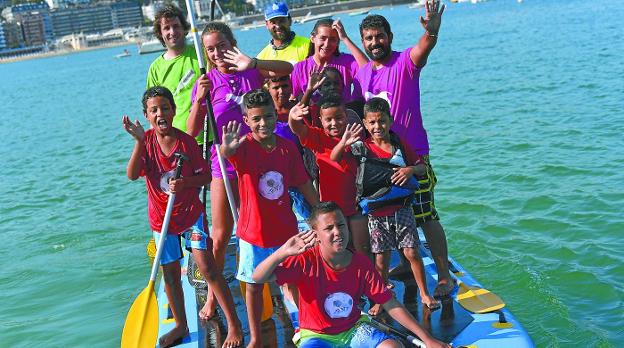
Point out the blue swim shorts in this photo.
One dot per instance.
(249, 257)
(196, 237)
(361, 335)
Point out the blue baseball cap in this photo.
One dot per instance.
(276, 9)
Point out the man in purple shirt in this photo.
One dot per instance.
(394, 76)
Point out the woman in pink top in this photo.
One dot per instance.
(230, 75)
(326, 37)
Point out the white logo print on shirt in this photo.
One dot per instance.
(338, 305)
(271, 185)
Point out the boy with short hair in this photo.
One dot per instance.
(392, 225)
(266, 166)
(153, 157)
(336, 179)
(331, 279)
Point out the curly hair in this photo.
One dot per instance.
(375, 22)
(169, 11)
(157, 91)
(331, 100)
(257, 98)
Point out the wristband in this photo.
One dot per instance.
(432, 35)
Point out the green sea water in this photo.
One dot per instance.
(524, 105)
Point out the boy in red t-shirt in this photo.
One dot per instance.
(393, 226)
(266, 165)
(153, 157)
(331, 279)
(336, 179)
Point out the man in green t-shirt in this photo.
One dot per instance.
(177, 68)
(285, 45)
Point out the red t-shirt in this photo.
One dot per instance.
(266, 218)
(158, 168)
(336, 180)
(328, 299)
(410, 157)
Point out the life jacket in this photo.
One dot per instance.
(373, 180)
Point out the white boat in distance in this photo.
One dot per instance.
(309, 17)
(154, 45)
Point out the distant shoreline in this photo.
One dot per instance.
(297, 13)
(61, 52)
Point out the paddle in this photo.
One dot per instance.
(268, 307)
(141, 327)
(473, 298)
(389, 329)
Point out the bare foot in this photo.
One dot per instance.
(429, 301)
(375, 309)
(444, 287)
(234, 337)
(210, 307)
(173, 337)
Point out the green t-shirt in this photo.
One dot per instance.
(297, 51)
(178, 75)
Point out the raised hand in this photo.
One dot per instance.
(337, 26)
(299, 112)
(238, 59)
(231, 138)
(298, 243)
(352, 133)
(203, 86)
(316, 79)
(135, 129)
(433, 16)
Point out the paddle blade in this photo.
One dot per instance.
(141, 327)
(478, 300)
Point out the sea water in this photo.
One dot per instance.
(523, 103)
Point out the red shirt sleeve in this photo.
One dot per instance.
(297, 169)
(312, 140)
(374, 287)
(290, 271)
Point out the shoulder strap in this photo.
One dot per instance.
(359, 150)
(397, 145)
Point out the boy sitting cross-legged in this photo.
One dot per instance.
(391, 223)
(330, 279)
(266, 165)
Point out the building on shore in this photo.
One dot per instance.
(10, 35)
(35, 22)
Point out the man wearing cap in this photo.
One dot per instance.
(285, 45)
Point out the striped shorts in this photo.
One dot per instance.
(424, 206)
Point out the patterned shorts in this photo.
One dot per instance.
(424, 207)
(393, 232)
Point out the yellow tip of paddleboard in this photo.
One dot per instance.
(502, 325)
